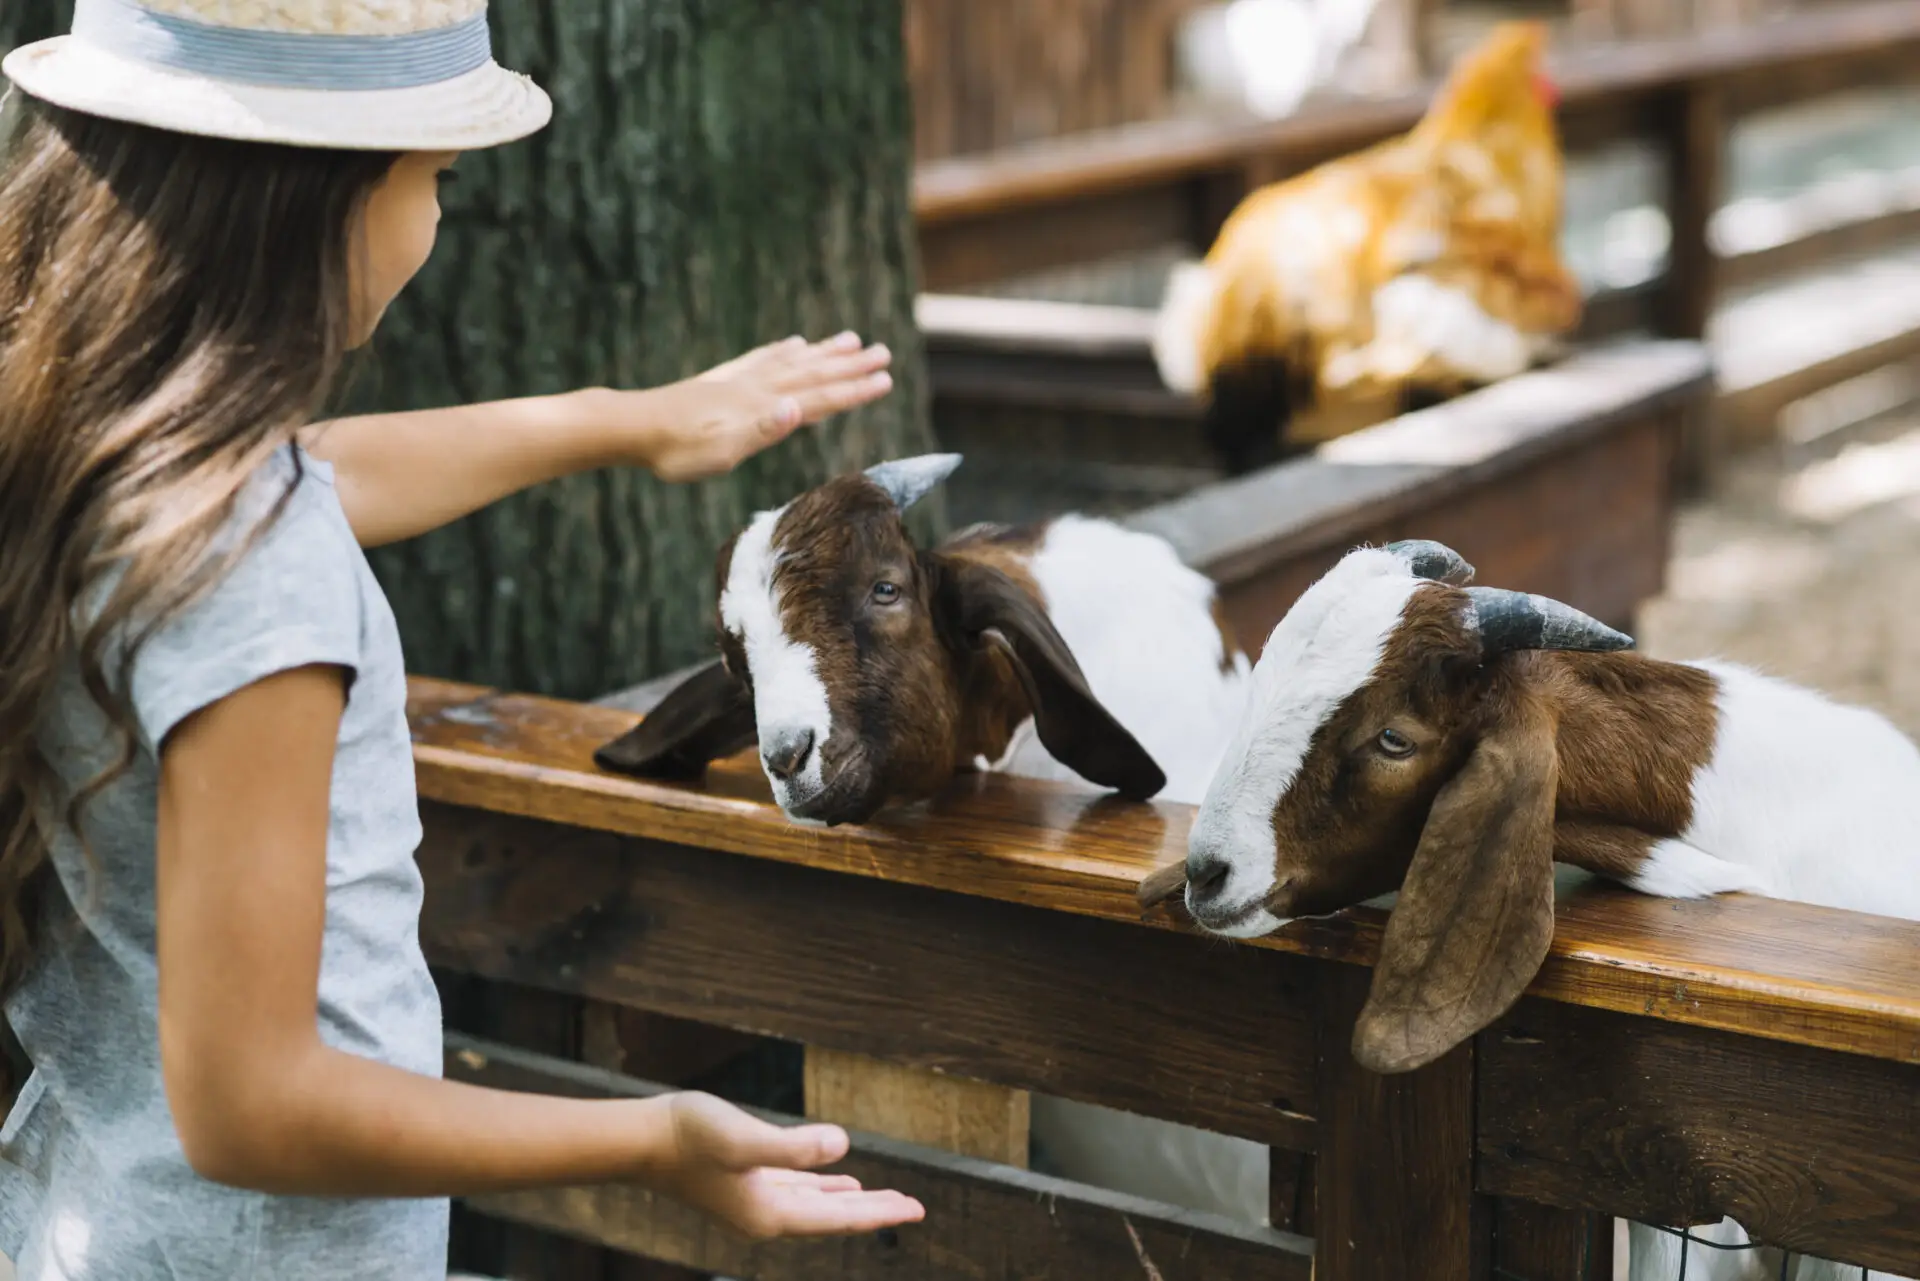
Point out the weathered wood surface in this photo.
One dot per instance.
(995, 73)
(1017, 995)
(1765, 968)
(983, 1219)
(1557, 481)
(1812, 1150)
(1137, 187)
(1395, 1169)
(934, 1109)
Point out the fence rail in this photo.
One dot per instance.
(1674, 1062)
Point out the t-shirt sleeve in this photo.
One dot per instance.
(293, 599)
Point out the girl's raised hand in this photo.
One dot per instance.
(708, 424)
(758, 1177)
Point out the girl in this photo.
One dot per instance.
(208, 900)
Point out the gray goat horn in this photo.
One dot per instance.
(907, 480)
(1437, 561)
(1519, 620)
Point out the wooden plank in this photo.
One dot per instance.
(1588, 526)
(915, 1105)
(1545, 1243)
(1240, 527)
(1395, 1166)
(1794, 339)
(1159, 153)
(1763, 967)
(1017, 241)
(1820, 242)
(983, 1219)
(1290, 1191)
(997, 992)
(1811, 1150)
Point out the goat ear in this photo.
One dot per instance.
(1475, 914)
(986, 606)
(707, 716)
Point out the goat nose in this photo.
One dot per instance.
(1207, 876)
(786, 752)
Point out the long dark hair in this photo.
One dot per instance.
(172, 310)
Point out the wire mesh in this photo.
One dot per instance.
(1689, 1244)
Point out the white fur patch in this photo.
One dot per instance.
(1140, 625)
(1675, 869)
(1182, 319)
(1818, 801)
(1328, 645)
(788, 693)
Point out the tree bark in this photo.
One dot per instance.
(719, 173)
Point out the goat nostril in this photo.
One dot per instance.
(1208, 878)
(787, 754)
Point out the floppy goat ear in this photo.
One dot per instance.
(1475, 914)
(707, 716)
(986, 606)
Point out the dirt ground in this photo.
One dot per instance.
(1808, 568)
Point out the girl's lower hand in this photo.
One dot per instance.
(708, 424)
(758, 1177)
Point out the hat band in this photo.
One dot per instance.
(284, 59)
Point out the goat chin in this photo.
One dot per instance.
(1194, 1169)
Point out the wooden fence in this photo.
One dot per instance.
(1673, 1062)
(1141, 188)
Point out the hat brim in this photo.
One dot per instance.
(485, 107)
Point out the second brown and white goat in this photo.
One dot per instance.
(1410, 733)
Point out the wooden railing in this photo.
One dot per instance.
(1673, 1062)
(1081, 200)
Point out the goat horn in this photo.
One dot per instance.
(1519, 620)
(907, 480)
(1428, 559)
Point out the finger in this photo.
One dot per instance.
(822, 402)
(810, 1182)
(799, 1147)
(819, 370)
(844, 341)
(848, 1212)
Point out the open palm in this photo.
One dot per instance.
(759, 1178)
(735, 410)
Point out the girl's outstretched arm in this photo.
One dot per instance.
(403, 474)
(261, 1102)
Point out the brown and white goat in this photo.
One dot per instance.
(1410, 733)
(870, 671)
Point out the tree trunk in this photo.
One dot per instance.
(719, 173)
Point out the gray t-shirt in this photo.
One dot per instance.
(93, 1184)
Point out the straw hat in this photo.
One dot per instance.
(399, 75)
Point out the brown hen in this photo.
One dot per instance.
(1405, 273)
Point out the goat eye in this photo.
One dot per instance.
(1395, 744)
(885, 593)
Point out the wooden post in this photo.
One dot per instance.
(1693, 131)
(1543, 1243)
(1290, 1191)
(1394, 1187)
(954, 1113)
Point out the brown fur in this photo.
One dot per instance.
(920, 687)
(1519, 760)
